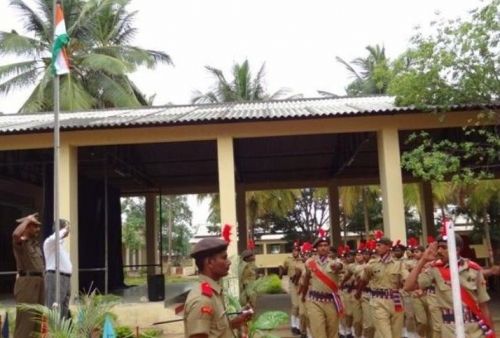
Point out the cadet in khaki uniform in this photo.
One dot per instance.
(306, 251)
(247, 275)
(293, 273)
(386, 275)
(347, 287)
(323, 304)
(204, 312)
(364, 291)
(472, 282)
(29, 287)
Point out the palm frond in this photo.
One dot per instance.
(21, 80)
(13, 43)
(327, 94)
(41, 97)
(14, 69)
(114, 92)
(32, 20)
(73, 95)
(106, 64)
(348, 67)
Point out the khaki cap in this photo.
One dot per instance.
(208, 244)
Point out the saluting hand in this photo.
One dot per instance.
(430, 253)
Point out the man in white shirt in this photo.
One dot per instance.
(65, 269)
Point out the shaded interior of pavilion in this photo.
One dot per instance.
(106, 173)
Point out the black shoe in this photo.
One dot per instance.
(349, 336)
(295, 331)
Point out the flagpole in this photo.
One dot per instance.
(56, 174)
(455, 281)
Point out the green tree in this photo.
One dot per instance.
(133, 225)
(243, 86)
(458, 63)
(310, 211)
(372, 74)
(176, 212)
(100, 54)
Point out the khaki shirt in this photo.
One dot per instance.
(471, 279)
(248, 273)
(385, 273)
(206, 314)
(317, 285)
(289, 265)
(28, 255)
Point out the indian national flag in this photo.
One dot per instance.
(60, 63)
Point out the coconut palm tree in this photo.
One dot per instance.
(100, 55)
(371, 74)
(243, 87)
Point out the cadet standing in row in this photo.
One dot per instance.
(290, 267)
(205, 313)
(386, 275)
(29, 287)
(321, 284)
(247, 276)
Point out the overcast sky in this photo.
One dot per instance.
(297, 39)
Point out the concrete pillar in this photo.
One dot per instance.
(68, 206)
(427, 210)
(227, 196)
(151, 234)
(241, 214)
(391, 182)
(333, 200)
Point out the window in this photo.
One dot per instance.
(274, 248)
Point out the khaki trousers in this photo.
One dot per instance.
(388, 323)
(294, 296)
(436, 318)
(368, 329)
(421, 316)
(472, 330)
(357, 316)
(28, 290)
(323, 319)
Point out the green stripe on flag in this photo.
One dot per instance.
(60, 42)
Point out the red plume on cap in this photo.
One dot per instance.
(340, 250)
(412, 242)
(371, 244)
(250, 244)
(397, 243)
(430, 239)
(378, 234)
(306, 247)
(226, 233)
(321, 233)
(362, 245)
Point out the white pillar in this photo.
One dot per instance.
(68, 205)
(391, 182)
(227, 196)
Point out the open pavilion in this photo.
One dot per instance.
(226, 148)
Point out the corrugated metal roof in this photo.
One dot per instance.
(204, 113)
